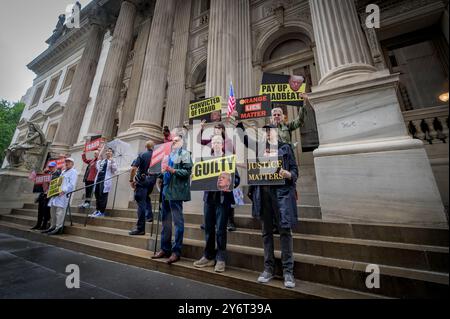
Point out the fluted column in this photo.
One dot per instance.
(244, 47)
(136, 75)
(341, 45)
(72, 118)
(154, 78)
(222, 47)
(176, 106)
(109, 91)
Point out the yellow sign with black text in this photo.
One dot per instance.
(55, 187)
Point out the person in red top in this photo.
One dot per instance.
(89, 177)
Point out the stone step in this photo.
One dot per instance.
(337, 272)
(126, 219)
(422, 257)
(233, 278)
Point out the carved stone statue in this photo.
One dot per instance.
(29, 153)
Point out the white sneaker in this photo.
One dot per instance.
(220, 266)
(86, 205)
(265, 277)
(204, 262)
(94, 214)
(289, 281)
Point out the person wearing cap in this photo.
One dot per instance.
(58, 204)
(43, 209)
(276, 204)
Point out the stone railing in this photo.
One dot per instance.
(200, 21)
(429, 124)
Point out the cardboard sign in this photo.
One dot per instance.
(160, 158)
(253, 107)
(42, 178)
(55, 187)
(216, 174)
(265, 171)
(283, 89)
(94, 145)
(209, 110)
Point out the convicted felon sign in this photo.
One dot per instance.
(254, 107)
(208, 109)
(265, 171)
(215, 174)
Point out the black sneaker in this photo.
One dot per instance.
(231, 227)
(48, 230)
(136, 233)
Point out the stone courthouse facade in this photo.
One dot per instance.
(374, 146)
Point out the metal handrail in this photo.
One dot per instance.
(69, 194)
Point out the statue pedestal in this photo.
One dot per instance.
(15, 188)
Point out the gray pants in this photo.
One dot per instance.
(270, 216)
(57, 217)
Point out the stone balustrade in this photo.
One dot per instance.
(429, 124)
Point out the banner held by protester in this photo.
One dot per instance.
(253, 107)
(216, 174)
(265, 171)
(55, 187)
(209, 110)
(284, 89)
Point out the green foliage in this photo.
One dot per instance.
(9, 117)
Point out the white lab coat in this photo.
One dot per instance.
(111, 169)
(68, 185)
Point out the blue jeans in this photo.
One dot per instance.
(141, 195)
(172, 209)
(216, 217)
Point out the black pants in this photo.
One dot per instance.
(142, 197)
(101, 198)
(43, 210)
(89, 190)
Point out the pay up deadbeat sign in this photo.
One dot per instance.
(265, 171)
(216, 174)
(253, 107)
(209, 110)
(283, 89)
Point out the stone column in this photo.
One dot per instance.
(176, 106)
(136, 75)
(72, 118)
(222, 48)
(154, 77)
(111, 82)
(342, 48)
(368, 168)
(244, 46)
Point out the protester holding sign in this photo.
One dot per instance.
(277, 203)
(175, 190)
(58, 204)
(106, 168)
(89, 177)
(142, 183)
(217, 205)
(43, 209)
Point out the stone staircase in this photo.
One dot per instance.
(330, 257)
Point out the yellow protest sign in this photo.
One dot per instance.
(208, 109)
(55, 187)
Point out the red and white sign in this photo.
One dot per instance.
(94, 145)
(160, 157)
(42, 178)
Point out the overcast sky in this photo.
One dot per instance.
(24, 27)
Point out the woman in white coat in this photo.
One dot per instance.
(106, 168)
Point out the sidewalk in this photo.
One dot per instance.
(34, 270)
